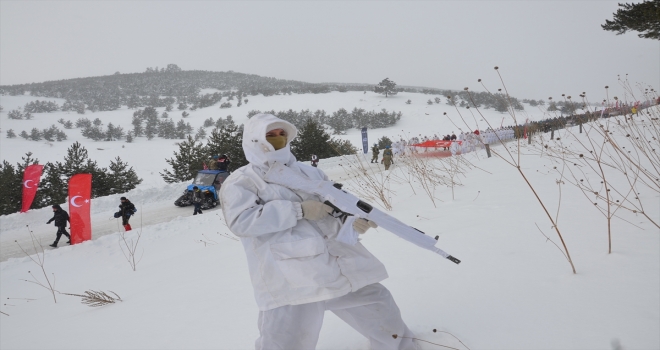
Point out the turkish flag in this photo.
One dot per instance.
(80, 194)
(31, 178)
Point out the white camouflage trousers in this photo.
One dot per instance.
(370, 310)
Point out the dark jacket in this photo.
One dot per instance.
(60, 216)
(197, 196)
(127, 208)
(222, 164)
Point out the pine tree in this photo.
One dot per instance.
(122, 178)
(386, 87)
(312, 139)
(341, 147)
(61, 135)
(11, 189)
(186, 162)
(340, 121)
(228, 139)
(26, 161)
(138, 130)
(384, 141)
(35, 134)
(166, 129)
(201, 133)
(15, 114)
(77, 161)
(53, 187)
(151, 129)
(183, 129)
(11, 134)
(643, 18)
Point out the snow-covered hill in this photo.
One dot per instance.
(191, 289)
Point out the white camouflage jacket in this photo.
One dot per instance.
(291, 260)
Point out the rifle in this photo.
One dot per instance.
(346, 204)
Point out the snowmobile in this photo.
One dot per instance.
(209, 182)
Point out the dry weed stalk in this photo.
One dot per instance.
(39, 258)
(130, 245)
(603, 153)
(370, 185)
(421, 170)
(513, 157)
(395, 336)
(431, 173)
(96, 298)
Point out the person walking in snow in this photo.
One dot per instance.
(298, 269)
(315, 160)
(61, 217)
(387, 157)
(375, 151)
(197, 200)
(126, 210)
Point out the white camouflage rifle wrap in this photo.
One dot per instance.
(347, 204)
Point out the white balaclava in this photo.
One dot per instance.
(258, 151)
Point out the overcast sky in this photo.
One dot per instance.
(543, 48)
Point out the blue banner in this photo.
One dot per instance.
(365, 141)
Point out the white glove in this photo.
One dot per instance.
(315, 210)
(362, 225)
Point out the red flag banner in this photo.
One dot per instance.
(435, 143)
(31, 178)
(80, 194)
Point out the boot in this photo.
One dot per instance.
(54, 245)
(127, 227)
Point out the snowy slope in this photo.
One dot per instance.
(191, 289)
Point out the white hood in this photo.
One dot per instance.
(257, 150)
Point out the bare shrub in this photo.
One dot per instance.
(39, 258)
(96, 298)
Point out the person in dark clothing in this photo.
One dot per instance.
(452, 137)
(223, 163)
(315, 160)
(126, 210)
(197, 200)
(61, 217)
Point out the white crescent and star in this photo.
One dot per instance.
(26, 183)
(73, 201)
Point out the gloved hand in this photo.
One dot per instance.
(315, 210)
(362, 225)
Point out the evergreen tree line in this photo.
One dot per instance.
(50, 134)
(339, 121)
(18, 114)
(167, 87)
(134, 90)
(118, 177)
(498, 101)
(146, 123)
(41, 107)
(228, 139)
